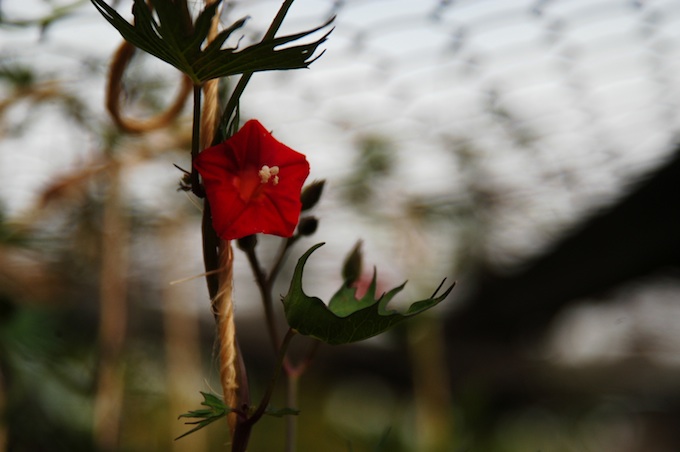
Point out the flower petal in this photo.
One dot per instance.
(241, 202)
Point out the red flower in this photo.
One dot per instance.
(253, 183)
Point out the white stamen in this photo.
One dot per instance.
(266, 173)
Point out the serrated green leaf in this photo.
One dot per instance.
(213, 401)
(262, 56)
(347, 319)
(345, 302)
(216, 410)
(176, 41)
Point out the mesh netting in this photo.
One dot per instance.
(549, 105)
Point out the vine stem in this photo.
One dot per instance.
(277, 371)
(243, 428)
(196, 188)
(266, 283)
(293, 372)
(266, 294)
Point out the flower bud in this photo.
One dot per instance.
(247, 243)
(351, 268)
(311, 194)
(308, 226)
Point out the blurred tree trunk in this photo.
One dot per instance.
(113, 316)
(434, 423)
(182, 340)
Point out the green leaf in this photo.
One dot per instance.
(347, 319)
(216, 410)
(176, 41)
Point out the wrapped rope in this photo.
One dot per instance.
(222, 304)
(223, 308)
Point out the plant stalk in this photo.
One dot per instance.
(266, 294)
(196, 188)
(245, 425)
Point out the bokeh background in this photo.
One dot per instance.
(524, 148)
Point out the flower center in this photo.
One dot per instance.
(250, 182)
(269, 173)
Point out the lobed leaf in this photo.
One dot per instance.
(176, 41)
(347, 319)
(216, 410)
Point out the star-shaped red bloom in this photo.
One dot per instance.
(253, 183)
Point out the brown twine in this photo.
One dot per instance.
(223, 304)
(119, 63)
(209, 116)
